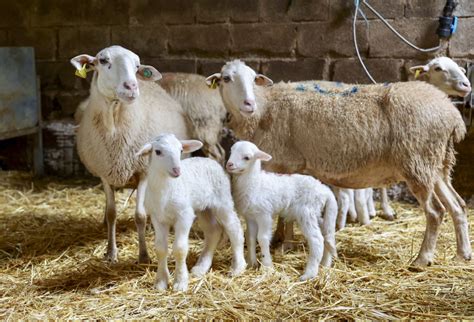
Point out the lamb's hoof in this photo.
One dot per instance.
(421, 261)
(180, 286)
(111, 256)
(238, 269)
(161, 285)
(253, 264)
(463, 257)
(144, 258)
(308, 276)
(387, 216)
(199, 271)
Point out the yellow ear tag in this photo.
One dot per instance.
(213, 84)
(81, 72)
(417, 73)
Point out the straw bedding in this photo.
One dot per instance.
(52, 242)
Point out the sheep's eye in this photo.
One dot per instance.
(246, 158)
(103, 61)
(158, 152)
(226, 79)
(438, 69)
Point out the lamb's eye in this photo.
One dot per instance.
(158, 152)
(438, 69)
(103, 61)
(226, 79)
(246, 158)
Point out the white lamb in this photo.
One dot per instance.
(176, 190)
(260, 195)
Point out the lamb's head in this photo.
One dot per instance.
(165, 153)
(117, 70)
(445, 74)
(243, 155)
(237, 82)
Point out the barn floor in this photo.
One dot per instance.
(52, 242)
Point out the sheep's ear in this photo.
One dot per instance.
(462, 69)
(148, 73)
(146, 149)
(262, 80)
(79, 61)
(263, 156)
(418, 70)
(213, 80)
(191, 145)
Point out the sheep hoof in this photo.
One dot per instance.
(180, 286)
(161, 285)
(308, 276)
(463, 256)
(144, 259)
(387, 216)
(199, 271)
(111, 256)
(238, 269)
(421, 261)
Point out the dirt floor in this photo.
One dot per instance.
(52, 243)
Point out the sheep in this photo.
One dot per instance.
(203, 107)
(260, 195)
(372, 135)
(125, 109)
(175, 191)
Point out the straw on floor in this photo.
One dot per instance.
(52, 243)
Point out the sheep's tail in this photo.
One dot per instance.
(329, 225)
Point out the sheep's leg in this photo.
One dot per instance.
(459, 216)
(182, 227)
(343, 204)
(140, 221)
(352, 214)
(161, 248)
(252, 242)
(370, 202)
(434, 211)
(264, 234)
(312, 233)
(230, 222)
(212, 233)
(111, 219)
(387, 211)
(361, 206)
(459, 199)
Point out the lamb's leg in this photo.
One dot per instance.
(212, 233)
(182, 227)
(343, 204)
(279, 235)
(370, 202)
(352, 214)
(111, 218)
(387, 211)
(264, 234)
(312, 233)
(161, 247)
(434, 212)
(361, 206)
(289, 237)
(252, 242)
(230, 222)
(140, 221)
(459, 216)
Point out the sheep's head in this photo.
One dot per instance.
(165, 153)
(445, 74)
(237, 86)
(117, 71)
(243, 155)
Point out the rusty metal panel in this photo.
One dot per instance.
(18, 97)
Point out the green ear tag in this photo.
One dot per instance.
(147, 73)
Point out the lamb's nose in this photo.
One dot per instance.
(176, 171)
(249, 102)
(130, 85)
(230, 165)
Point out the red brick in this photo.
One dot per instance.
(144, 41)
(268, 39)
(421, 32)
(170, 65)
(462, 42)
(212, 11)
(208, 39)
(43, 40)
(297, 70)
(244, 10)
(146, 12)
(320, 39)
(83, 40)
(383, 70)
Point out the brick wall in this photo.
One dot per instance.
(285, 39)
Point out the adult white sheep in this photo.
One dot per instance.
(261, 195)
(176, 190)
(370, 136)
(125, 109)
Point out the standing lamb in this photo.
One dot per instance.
(371, 136)
(260, 195)
(176, 190)
(125, 109)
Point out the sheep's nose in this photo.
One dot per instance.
(230, 165)
(130, 85)
(249, 102)
(176, 171)
(465, 84)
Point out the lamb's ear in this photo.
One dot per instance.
(262, 80)
(213, 80)
(462, 69)
(148, 73)
(191, 145)
(146, 149)
(79, 61)
(418, 70)
(263, 156)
